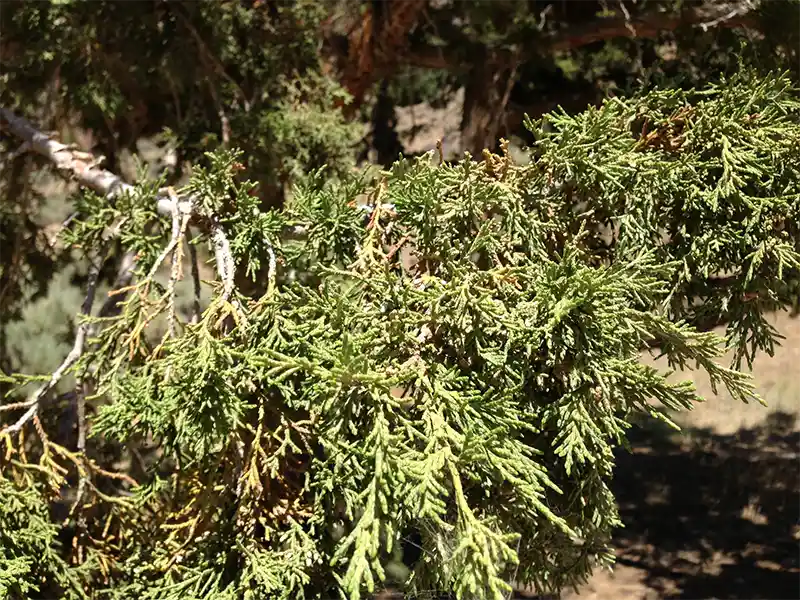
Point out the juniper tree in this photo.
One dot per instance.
(445, 352)
(204, 75)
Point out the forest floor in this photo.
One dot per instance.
(714, 511)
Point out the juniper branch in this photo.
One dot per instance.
(646, 25)
(32, 404)
(84, 167)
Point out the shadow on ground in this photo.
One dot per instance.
(707, 516)
(710, 515)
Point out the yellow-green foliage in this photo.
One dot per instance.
(445, 356)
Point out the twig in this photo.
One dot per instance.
(179, 223)
(77, 351)
(222, 253)
(396, 247)
(215, 64)
(223, 118)
(272, 270)
(226, 267)
(173, 242)
(627, 14)
(745, 7)
(80, 399)
(24, 147)
(195, 281)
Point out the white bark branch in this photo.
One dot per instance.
(74, 355)
(83, 166)
(86, 171)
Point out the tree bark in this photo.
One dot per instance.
(637, 27)
(485, 98)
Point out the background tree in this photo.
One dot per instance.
(442, 356)
(515, 58)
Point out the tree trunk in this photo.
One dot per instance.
(485, 98)
(385, 140)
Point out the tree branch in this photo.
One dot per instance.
(642, 26)
(649, 26)
(84, 167)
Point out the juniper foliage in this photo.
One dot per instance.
(447, 353)
(205, 74)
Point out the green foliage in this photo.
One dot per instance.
(205, 71)
(203, 74)
(705, 181)
(31, 565)
(444, 356)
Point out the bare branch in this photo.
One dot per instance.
(84, 168)
(224, 257)
(648, 25)
(644, 26)
(81, 165)
(725, 18)
(179, 223)
(77, 351)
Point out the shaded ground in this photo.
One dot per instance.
(715, 512)
(714, 516)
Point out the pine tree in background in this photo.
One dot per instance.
(439, 357)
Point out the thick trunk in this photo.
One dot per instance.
(384, 128)
(485, 98)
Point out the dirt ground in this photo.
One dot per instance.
(714, 513)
